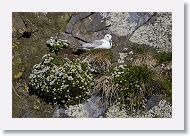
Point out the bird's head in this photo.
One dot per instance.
(108, 37)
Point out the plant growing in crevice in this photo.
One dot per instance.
(162, 57)
(153, 52)
(132, 81)
(55, 44)
(65, 84)
(99, 61)
(105, 87)
(166, 85)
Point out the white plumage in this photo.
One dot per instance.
(105, 43)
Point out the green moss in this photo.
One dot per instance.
(166, 85)
(58, 61)
(23, 106)
(141, 48)
(18, 75)
(162, 57)
(114, 45)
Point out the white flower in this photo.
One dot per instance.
(70, 78)
(131, 52)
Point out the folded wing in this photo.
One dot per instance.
(94, 44)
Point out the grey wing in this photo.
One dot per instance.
(87, 45)
(97, 43)
(94, 44)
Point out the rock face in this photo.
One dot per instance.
(92, 108)
(153, 101)
(95, 107)
(156, 34)
(153, 29)
(86, 27)
(123, 24)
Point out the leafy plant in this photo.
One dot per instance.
(132, 81)
(66, 84)
(55, 44)
(142, 48)
(163, 57)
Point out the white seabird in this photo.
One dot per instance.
(105, 43)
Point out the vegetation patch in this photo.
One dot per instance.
(163, 57)
(99, 61)
(160, 56)
(142, 48)
(132, 81)
(55, 44)
(105, 87)
(67, 84)
(136, 84)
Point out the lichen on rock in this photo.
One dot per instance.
(156, 34)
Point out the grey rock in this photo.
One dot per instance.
(28, 115)
(59, 113)
(157, 33)
(69, 28)
(83, 15)
(87, 26)
(74, 42)
(95, 107)
(153, 101)
(124, 23)
(74, 19)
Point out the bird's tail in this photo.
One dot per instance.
(82, 48)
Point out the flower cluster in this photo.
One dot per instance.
(125, 56)
(122, 56)
(55, 44)
(68, 83)
(131, 82)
